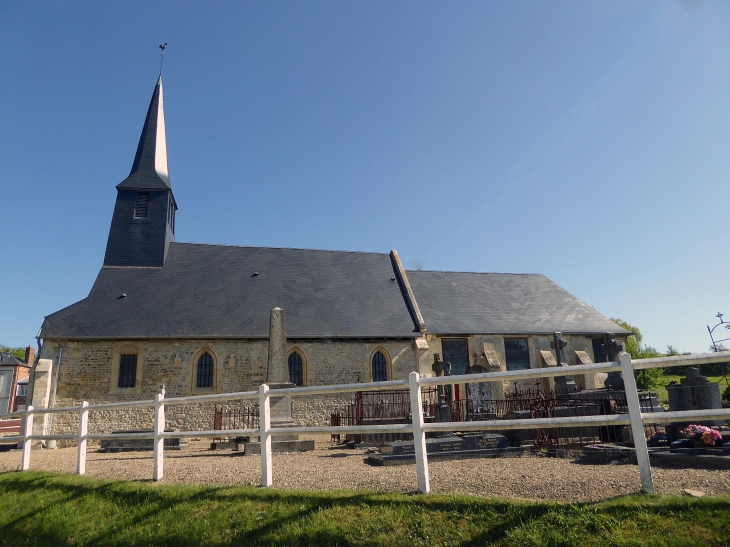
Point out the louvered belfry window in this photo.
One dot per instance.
(205, 371)
(296, 369)
(127, 370)
(380, 367)
(140, 207)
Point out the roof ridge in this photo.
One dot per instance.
(277, 248)
(476, 273)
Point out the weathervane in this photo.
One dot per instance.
(162, 55)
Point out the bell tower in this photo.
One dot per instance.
(143, 224)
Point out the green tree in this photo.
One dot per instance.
(647, 378)
(18, 352)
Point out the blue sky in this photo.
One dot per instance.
(585, 141)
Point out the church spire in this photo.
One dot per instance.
(143, 223)
(149, 170)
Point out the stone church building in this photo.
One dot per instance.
(196, 317)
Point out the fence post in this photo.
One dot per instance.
(419, 437)
(83, 430)
(159, 442)
(25, 459)
(637, 424)
(264, 436)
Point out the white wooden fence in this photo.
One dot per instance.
(418, 428)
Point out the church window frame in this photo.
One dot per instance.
(380, 367)
(302, 364)
(211, 371)
(121, 379)
(127, 376)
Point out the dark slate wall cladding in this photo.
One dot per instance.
(138, 242)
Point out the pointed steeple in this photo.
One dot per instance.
(149, 170)
(143, 224)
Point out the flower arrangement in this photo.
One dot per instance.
(702, 433)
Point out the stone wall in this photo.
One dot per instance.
(89, 371)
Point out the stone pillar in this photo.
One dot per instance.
(277, 371)
(41, 396)
(277, 374)
(277, 377)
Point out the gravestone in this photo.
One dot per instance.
(442, 410)
(694, 392)
(448, 447)
(564, 385)
(613, 348)
(480, 402)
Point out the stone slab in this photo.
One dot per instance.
(446, 447)
(401, 459)
(708, 458)
(449, 443)
(301, 445)
(140, 445)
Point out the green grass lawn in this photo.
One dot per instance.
(46, 509)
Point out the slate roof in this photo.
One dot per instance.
(8, 359)
(206, 291)
(496, 303)
(210, 291)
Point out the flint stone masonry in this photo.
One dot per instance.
(87, 372)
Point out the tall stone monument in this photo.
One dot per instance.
(277, 373)
(277, 377)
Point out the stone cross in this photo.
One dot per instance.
(613, 348)
(438, 369)
(563, 384)
(278, 371)
(442, 410)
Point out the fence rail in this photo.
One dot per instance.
(635, 418)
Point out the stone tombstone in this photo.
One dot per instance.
(442, 410)
(694, 392)
(564, 385)
(613, 348)
(480, 400)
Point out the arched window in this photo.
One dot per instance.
(205, 371)
(380, 367)
(296, 369)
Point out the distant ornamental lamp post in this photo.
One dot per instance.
(710, 330)
(715, 342)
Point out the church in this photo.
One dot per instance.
(196, 317)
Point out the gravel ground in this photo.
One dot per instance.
(529, 477)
